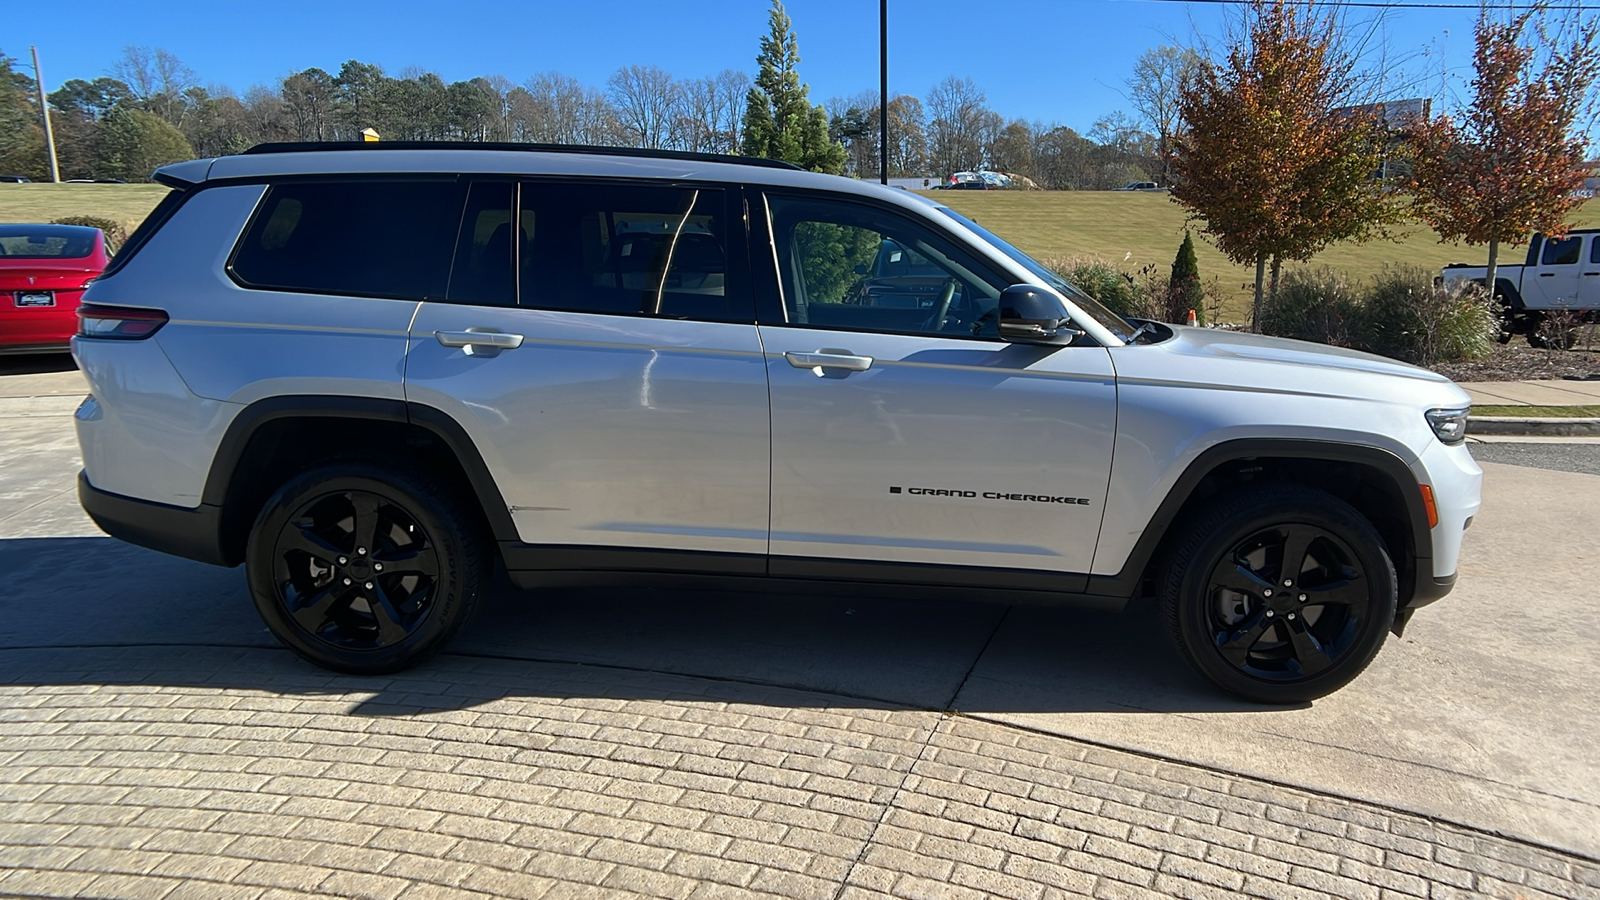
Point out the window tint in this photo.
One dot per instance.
(628, 250)
(46, 241)
(1563, 252)
(1594, 252)
(482, 274)
(368, 238)
(859, 268)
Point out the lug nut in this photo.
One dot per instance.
(1270, 613)
(379, 568)
(361, 551)
(347, 581)
(1291, 616)
(1286, 582)
(1302, 598)
(342, 560)
(1267, 592)
(369, 587)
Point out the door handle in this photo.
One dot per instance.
(1547, 274)
(479, 342)
(828, 358)
(1586, 274)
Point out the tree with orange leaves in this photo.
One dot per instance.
(1274, 157)
(1512, 165)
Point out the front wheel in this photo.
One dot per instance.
(1280, 593)
(366, 568)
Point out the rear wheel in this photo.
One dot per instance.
(1280, 594)
(366, 568)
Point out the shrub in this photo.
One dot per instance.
(1406, 316)
(115, 231)
(1184, 289)
(1119, 291)
(1313, 305)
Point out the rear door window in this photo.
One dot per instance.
(369, 238)
(630, 250)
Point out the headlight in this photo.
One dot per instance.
(1450, 425)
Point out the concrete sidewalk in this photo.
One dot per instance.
(1549, 392)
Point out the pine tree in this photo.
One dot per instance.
(779, 120)
(1184, 291)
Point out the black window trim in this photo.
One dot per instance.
(158, 217)
(774, 312)
(270, 183)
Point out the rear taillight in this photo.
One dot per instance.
(118, 323)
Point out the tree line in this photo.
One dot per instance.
(150, 109)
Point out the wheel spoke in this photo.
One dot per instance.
(308, 542)
(1237, 577)
(1235, 643)
(1296, 542)
(417, 562)
(390, 628)
(313, 614)
(365, 526)
(1309, 652)
(1350, 591)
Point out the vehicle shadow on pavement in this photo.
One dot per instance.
(36, 363)
(74, 606)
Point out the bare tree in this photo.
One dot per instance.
(158, 80)
(959, 118)
(557, 109)
(1158, 76)
(645, 98)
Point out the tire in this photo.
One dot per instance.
(1226, 608)
(358, 604)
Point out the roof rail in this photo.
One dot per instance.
(320, 146)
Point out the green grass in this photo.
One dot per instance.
(1133, 229)
(1538, 412)
(125, 203)
(1128, 229)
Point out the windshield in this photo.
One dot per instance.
(1090, 306)
(46, 241)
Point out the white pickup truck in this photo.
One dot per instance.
(1559, 274)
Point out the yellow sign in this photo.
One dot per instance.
(369, 135)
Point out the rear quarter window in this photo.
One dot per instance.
(370, 238)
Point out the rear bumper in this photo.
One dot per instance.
(189, 533)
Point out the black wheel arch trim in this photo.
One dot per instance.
(230, 450)
(1126, 583)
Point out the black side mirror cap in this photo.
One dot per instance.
(1031, 315)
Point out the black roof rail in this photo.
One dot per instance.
(320, 146)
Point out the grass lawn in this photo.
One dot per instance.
(1538, 412)
(126, 203)
(1130, 229)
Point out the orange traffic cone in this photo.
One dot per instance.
(1192, 320)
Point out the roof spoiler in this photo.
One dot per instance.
(184, 175)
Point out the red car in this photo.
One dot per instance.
(43, 271)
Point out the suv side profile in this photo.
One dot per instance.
(368, 373)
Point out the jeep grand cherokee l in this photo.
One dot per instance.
(366, 372)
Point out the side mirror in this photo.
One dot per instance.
(1030, 315)
(860, 269)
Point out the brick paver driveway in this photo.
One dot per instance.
(201, 772)
(154, 742)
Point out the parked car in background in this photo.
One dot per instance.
(1554, 277)
(15, 179)
(43, 272)
(1138, 186)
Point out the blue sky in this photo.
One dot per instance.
(1047, 60)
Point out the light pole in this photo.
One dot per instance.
(44, 110)
(883, 91)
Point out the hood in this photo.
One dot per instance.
(1232, 359)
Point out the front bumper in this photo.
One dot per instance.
(190, 533)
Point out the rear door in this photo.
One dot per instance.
(598, 345)
(903, 429)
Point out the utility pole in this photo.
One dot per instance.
(44, 110)
(883, 91)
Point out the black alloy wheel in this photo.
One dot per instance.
(355, 571)
(1280, 593)
(366, 568)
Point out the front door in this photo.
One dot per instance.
(903, 429)
(1554, 284)
(600, 350)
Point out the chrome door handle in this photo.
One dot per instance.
(479, 342)
(828, 359)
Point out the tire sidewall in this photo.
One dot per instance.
(1187, 591)
(453, 596)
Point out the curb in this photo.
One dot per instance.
(1516, 425)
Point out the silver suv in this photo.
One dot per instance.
(368, 372)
